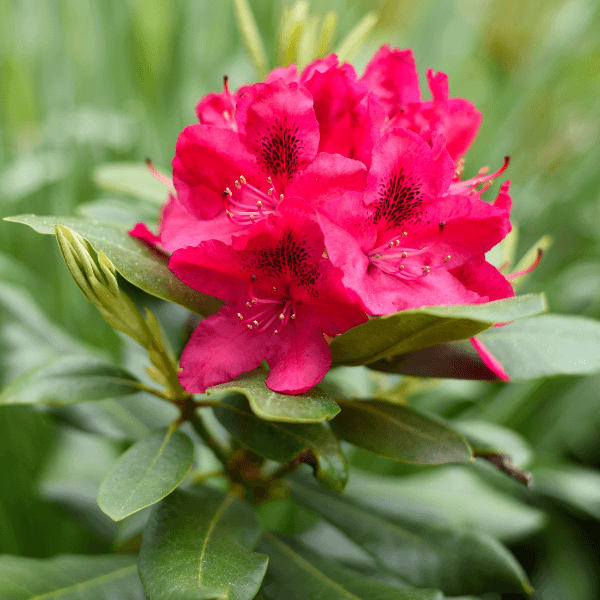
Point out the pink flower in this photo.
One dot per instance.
(407, 241)
(392, 77)
(226, 181)
(282, 296)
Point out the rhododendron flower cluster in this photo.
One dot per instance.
(312, 202)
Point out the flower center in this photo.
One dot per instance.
(390, 258)
(246, 204)
(275, 310)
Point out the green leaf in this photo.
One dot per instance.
(455, 560)
(398, 432)
(69, 379)
(297, 573)
(311, 407)
(546, 345)
(576, 486)
(67, 577)
(131, 178)
(283, 442)
(450, 494)
(414, 329)
(194, 541)
(146, 473)
(139, 264)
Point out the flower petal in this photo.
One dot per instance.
(211, 268)
(220, 349)
(180, 228)
(282, 130)
(405, 179)
(349, 120)
(207, 160)
(289, 74)
(484, 279)
(141, 232)
(217, 109)
(299, 357)
(460, 126)
(328, 177)
(392, 76)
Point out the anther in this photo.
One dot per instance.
(404, 255)
(242, 179)
(269, 180)
(280, 197)
(238, 185)
(293, 316)
(483, 171)
(426, 270)
(249, 326)
(401, 268)
(274, 289)
(226, 115)
(259, 204)
(397, 242)
(228, 191)
(256, 323)
(241, 316)
(270, 192)
(281, 316)
(251, 217)
(404, 234)
(248, 305)
(446, 259)
(276, 331)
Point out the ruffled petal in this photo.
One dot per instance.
(299, 357)
(220, 349)
(318, 66)
(328, 177)
(207, 160)
(392, 76)
(289, 74)
(349, 120)
(282, 130)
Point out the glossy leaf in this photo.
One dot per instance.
(283, 442)
(398, 432)
(69, 379)
(311, 407)
(546, 345)
(67, 577)
(410, 330)
(201, 543)
(297, 573)
(418, 549)
(146, 473)
(131, 178)
(141, 265)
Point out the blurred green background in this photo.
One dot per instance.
(84, 82)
